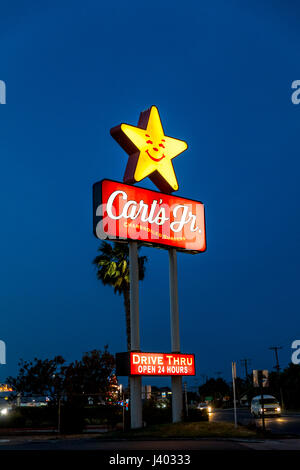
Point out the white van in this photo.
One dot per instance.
(271, 406)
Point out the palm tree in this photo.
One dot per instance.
(113, 270)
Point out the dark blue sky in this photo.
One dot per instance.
(220, 73)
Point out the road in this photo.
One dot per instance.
(117, 446)
(287, 423)
(111, 448)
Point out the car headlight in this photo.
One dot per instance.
(4, 411)
(209, 409)
(278, 409)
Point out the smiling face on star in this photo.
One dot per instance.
(155, 149)
(150, 151)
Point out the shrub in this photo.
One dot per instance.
(71, 419)
(30, 417)
(195, 415)
(153, 414)
(103, 414)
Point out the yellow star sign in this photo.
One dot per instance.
(150, 151)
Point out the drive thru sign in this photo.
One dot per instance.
(160, 364)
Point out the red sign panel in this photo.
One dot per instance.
(162, 364)
(127, 212)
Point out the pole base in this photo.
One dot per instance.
(176, 399)
(136, 402)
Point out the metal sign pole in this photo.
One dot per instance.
(123, 410)
(175, 338)
(233, 365)
(262, 403)
(135, 382)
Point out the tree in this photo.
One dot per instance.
(289, 382)
(39, 377)
(216, 388)
(92, 375)
(113, 270)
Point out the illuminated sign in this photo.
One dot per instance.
(139, 363)
(150, 151)
(6, 388)
(126, 212)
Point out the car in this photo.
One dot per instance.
(204, 407)
(270, 403)
(5, 410)
(5, 403)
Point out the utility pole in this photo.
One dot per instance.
(204, 378)
(275, 349)
(277, 367)
(245, 362)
